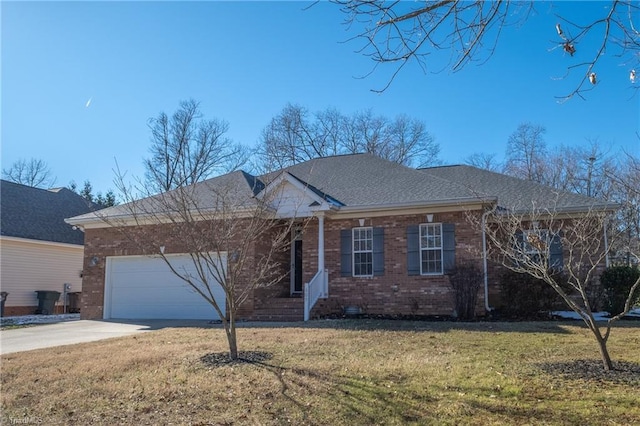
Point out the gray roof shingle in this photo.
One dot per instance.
(366, 181)
(38, 214)
(238, 188)
(513, 193)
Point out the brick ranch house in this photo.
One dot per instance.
(380, 238)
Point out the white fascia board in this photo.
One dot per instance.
(440, 206)
(289, 178)
(278, 184)
(96, 222)
(561, 212)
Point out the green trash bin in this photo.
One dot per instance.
(47, 301)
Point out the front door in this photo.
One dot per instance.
(296, 262)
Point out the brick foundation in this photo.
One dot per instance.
(15, 311)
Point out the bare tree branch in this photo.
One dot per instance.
(531, 242)
(403, 32)
(186, 149)
(295, 135)
(33, 172)
(234, 239)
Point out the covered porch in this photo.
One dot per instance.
(305, 278)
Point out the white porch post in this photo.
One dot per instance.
(321, 242)
(325, 290)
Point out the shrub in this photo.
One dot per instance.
(617, 282)
(527, 297)
(466, 280)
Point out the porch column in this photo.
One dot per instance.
(325, 289)
(321, 242)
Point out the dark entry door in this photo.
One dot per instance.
(297, 267)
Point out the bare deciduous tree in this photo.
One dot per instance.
(185, 149)
(626, 180)
(484, 161)
(583, 170)
(232, 236)
(295, 135)
(530, 242)
(526, 153)
(468, 31)
(33, 172)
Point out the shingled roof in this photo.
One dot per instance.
(239, 189)
(38, 214)
(365, 181)
(512, 193)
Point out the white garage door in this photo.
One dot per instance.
(141, 287)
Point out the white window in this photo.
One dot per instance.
(362, 252)
(431, 248)
(542, 246)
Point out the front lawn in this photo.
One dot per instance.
(355, 372)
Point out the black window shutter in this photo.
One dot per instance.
(556, 260)
(448, 247)
(345, 252)
(378, 251)
(413, 250)
(518, 247)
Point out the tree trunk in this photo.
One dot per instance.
(604, 352)
(231, 336)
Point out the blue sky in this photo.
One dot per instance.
(245, 60)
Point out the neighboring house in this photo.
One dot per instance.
(381, 238)
(38, 250)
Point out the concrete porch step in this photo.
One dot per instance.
(277, 317)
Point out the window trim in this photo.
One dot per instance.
(542, 233)
(354, 251)
(421, 249)
(548, 254)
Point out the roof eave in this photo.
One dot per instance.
(95, 221)
(454, 202)
(607, 207)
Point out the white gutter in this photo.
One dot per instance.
(606, 243)
(484, 262)
(99, 220)
(418, 204)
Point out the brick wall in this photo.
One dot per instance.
(395, 292)
(105, 242)
(573, 255)
(11, 311)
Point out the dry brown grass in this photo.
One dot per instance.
(329, 373)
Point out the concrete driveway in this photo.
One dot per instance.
(72, 332)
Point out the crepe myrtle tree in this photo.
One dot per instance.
(211, 222)
(566, 252)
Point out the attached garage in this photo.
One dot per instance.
(143, 287)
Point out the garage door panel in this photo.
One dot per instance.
(145, 288)
(163, 311)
